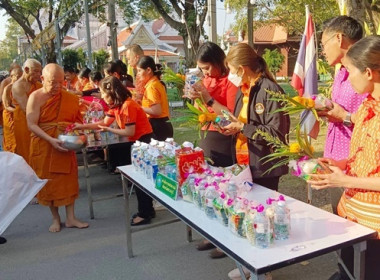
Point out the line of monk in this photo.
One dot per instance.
(35, 114)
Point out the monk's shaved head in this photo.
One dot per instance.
(53, 69)
(31, 62)
(52, 78)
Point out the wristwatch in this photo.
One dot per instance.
(347, 120)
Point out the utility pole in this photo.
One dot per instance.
(250, 22)
(88, 33)
(113, 29)
(212, 10)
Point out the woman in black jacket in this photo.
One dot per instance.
(254, 110)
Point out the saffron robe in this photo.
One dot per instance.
(21, 130)
(9, 140)
(60, 168)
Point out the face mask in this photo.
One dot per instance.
(235, 79)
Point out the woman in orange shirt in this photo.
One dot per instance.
(155, 100)
(134, 124)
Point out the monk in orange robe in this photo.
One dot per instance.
(21, 90)
(49, 111)
(9, 141)
(3, 84)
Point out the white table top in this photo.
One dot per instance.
(314, 231)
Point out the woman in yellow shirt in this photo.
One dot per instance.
(155, 100)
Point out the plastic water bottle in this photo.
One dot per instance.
(210, 195)
(281, 221)
(148, 166)
(262, 232)
(154, 167)
(135, 150)
(231, 190)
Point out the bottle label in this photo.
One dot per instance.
(260, 228)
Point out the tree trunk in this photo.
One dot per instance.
(364, 12)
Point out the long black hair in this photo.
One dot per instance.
(211, 53)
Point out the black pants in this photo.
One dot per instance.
(144, 201)
(217, 147)
(161, 128)
(269, 182)
(119, 154)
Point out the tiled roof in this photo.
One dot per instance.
(157, 24)
(273, 34)
(124, 34)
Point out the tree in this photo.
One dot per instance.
(365, 11)
(9, 46)
(171, 11)
(274, 60)
(287, 13)
(100, 58)
(43, 13)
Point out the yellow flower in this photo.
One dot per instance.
(298, 99)
(202, 118)
(295, 148)
(309, 103)
(210, 117)
(312, 149)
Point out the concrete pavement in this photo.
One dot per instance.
(99, 252)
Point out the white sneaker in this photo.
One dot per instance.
(158, 206)
(235, 273)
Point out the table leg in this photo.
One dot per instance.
(309, 194)
(257, 277)
(88, 184)
(242, 274)
(127, 216)
(359, 260)
(189, 234)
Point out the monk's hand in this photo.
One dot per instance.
(335, 179)
(57, 144)
(234, 127)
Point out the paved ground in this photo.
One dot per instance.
(99, 252)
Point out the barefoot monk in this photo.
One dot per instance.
(49, 111)
(21, 90)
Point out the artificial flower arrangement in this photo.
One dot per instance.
(299, 155)
(196, 117)
(297, 104)
(177, 79)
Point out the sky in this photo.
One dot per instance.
(223, 20)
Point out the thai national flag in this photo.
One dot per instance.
(305, 77)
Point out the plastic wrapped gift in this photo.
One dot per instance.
(236, 217)
(249, 226)
(322, 103)
(220, 211)
(305, 166)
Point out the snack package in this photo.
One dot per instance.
(249, 226)
(220, 210)
(192, 76)
(188, 160)
(305, 166)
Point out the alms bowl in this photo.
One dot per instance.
(73, 142)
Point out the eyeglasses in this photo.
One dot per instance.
(323, 45)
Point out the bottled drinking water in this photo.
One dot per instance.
(262, 232)
(281, 221)
(147, 166)
(231, 190)
(135, 150)
(154, 167)
(210, 195)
